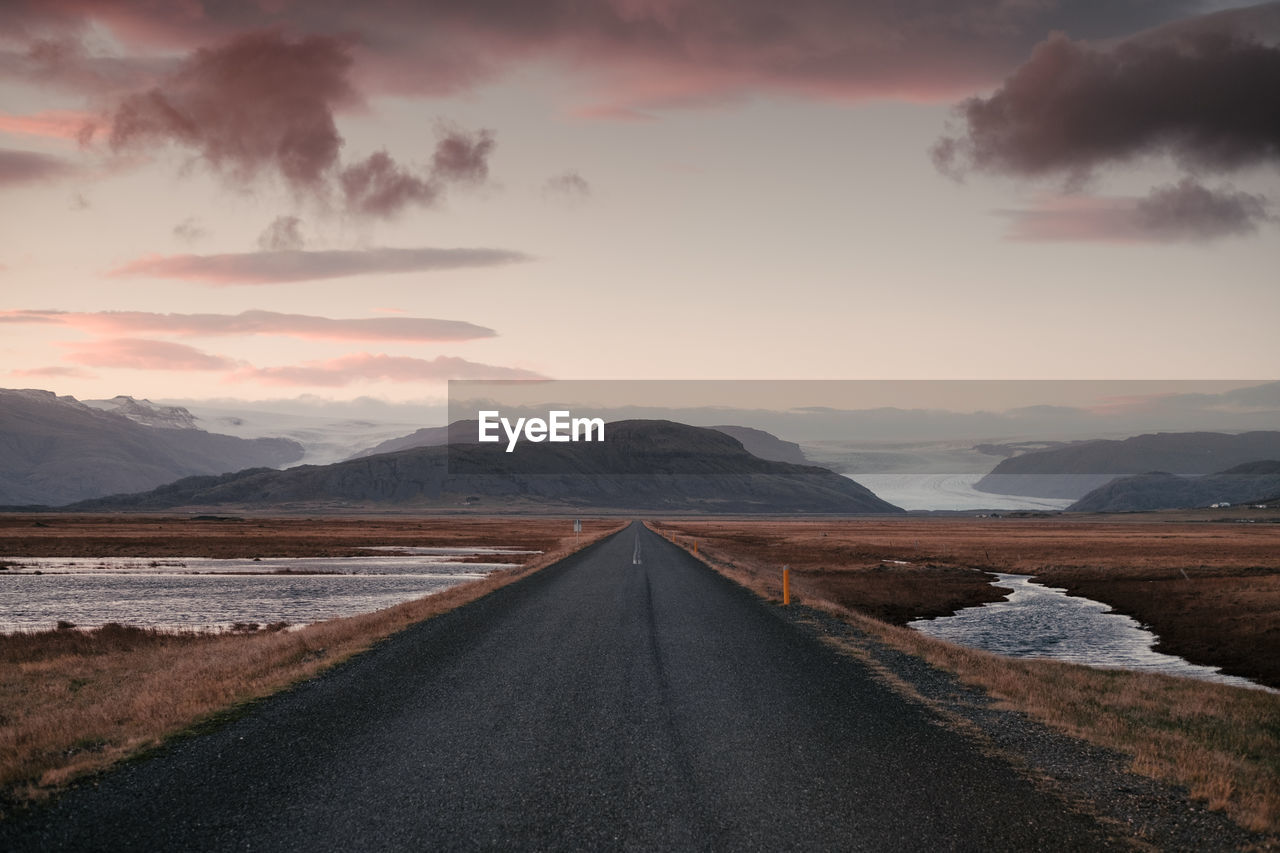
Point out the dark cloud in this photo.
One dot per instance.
(1187, 210)
(413, 329)
(567, 185)
(462, 156)
(283, 234)
(260, 103)
(24, 167)
(263, 104)
(379, 187)
(645, 53)
(1181, 212)
(189, 230)
(1205, 96)
(275, 267)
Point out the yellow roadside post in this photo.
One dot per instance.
(786, 585)
(695, 547)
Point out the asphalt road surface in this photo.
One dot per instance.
(625, 698)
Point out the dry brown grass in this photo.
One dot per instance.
(73, 702)
(224, 537)
(1211, 592)
(1221, 743)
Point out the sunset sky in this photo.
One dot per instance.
(267, 198)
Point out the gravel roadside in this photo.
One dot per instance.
(1094, 779)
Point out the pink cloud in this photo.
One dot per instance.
(141, 354)
(412, 329)
(359, 367)
(274, 267)
(55, 372)
(633, 54)
(57, 124)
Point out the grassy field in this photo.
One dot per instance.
(226, 537)
(1210, 591)
(1222, 743)
(73, 702)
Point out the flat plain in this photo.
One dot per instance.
(1209, 590)
(1208, 587)
(75, 701)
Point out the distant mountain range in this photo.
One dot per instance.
(56, 450)
(756, 441)
(642, 465)
(1251, 482)
(1075, 469)
(327, 434)
(146, 412)
(457, 432)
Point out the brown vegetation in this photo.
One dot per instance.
(72, 702)
(1211, 592)
(228, 537)
(1222, 743)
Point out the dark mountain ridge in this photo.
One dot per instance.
(756, 441)
(1251, 482)
(1076, 469)
(642, 465)
(55, 450)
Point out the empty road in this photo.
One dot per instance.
(624, 698)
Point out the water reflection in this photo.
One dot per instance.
(1037, 621)
(202, 593)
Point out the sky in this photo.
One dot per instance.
(269, 199)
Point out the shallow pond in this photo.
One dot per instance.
(1037, 621)
(203, 593)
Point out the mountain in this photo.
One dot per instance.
(458, 431)
(327, 434)
(756, 441)
(56, 450)
(641, 465)
(766, 445)
(146, 412)
(1074, 470)
(1251, 482)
